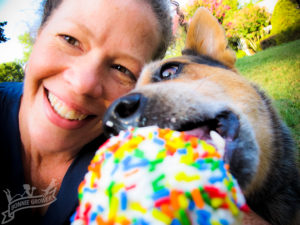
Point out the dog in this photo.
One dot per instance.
(202, 91)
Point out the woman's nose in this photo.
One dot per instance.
(84, 78)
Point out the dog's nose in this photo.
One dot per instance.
(124, 112)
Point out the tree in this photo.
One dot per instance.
(2, 36)
(247, 24)
(11, 71)
(179, 32)
(219, 8)
(27, 40)
(178, 44)
(286, 21)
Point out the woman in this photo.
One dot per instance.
(87, 53)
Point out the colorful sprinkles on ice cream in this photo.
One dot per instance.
(158, 176)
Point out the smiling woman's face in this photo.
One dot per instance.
(88, 53)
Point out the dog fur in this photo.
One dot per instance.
(203, 85)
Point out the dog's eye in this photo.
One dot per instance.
(168, 71)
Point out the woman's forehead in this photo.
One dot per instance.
(105, 10)
(125, 24)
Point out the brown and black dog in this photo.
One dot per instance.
(202, 91)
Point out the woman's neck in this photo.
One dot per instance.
(40, 169)
(42, 172)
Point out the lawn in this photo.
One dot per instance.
(277, 71)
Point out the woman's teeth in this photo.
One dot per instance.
(63, 110)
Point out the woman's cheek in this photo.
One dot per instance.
(45, 61)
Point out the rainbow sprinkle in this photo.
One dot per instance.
(158, 176)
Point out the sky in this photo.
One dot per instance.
(23, 16)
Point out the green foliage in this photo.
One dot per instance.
(233, 42)
(247, 23)
(285, 24)
(233, 4)
(290, 34)
(190, 9)
(240, 54)
(276, 70)
(11, 71)
(2, 36)
(218, 8)
(177, 46)
(27, 42)
(286, 15)
(268, 42)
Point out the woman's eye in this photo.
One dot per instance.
(125, 71)
(71, 40)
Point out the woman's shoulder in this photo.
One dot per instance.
(8, 89)
(10, 93)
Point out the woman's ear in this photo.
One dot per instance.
(207, 37)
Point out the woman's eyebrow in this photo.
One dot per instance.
(80, 26)
(130, 57)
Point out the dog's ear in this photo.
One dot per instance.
(207, 37)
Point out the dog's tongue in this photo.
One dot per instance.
(210, 136)
(201, 133)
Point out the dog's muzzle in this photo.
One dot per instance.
(136, 110)
(124, 112)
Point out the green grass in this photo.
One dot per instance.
(277, 71)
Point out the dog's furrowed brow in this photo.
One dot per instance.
(202, 59)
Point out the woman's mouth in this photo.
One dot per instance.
(63, 115)
(64, 110)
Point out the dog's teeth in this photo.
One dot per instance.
(218, 141)
(173, 120)
(109, 123)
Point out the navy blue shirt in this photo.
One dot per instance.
(14, 198)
